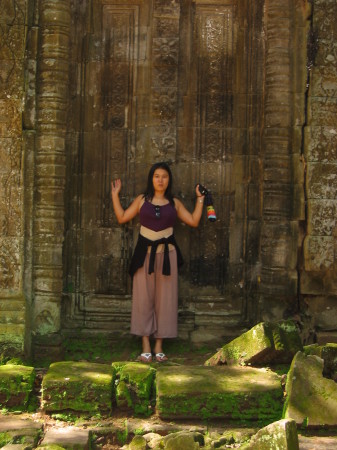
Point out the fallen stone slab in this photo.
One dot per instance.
(317, 443)
(67, 437)
(10, 423)
(16, 386)
(134, 387)
(227, 392)
(328, 353)
(265, 343)
(275, 436)
(78, 386)
(14, 431)
(311, 399)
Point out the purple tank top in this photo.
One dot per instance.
(157, 218)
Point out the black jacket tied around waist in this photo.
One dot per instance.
(141, 249)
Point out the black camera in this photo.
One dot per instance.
(211, 216)
(202, 189)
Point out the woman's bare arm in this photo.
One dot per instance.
(124, 215)
(191, 219)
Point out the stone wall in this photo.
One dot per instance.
(13, 27)
(319, 269)
(268, 144)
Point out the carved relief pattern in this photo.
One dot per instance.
(213, 45)
(106, 274)
(50, 171)
(120, 43)
(277, 143)
(12, 47)
(214, 41)
(163, 7)
(165, 51)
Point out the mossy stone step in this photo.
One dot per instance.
(226, 392)
(67, 437)
(78, 386)
(134, 387)
(24, 432)
(16, 385)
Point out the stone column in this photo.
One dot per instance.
(278, 288)
(50, 168)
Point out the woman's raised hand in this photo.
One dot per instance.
(116, 186)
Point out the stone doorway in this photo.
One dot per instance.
(180, 82)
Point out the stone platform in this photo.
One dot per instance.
(232, 393)
(173, 392)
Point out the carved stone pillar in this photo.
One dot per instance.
(278, 287)
(48, 226)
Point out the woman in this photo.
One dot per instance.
(154, 265)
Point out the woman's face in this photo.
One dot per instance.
(160, 180)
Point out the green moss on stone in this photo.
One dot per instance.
(310, 397)
(219, 392)
(138, 443)
(50, 447)
(328, 353)
(266, 342)
(5, 438)
(16, 386)
(78, 386)
(275, 436)
(181, 440)
(134, 387)
(123, 396)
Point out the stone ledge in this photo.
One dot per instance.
(78, 386)
(234, 393)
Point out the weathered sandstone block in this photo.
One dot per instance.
(264, 343)
(16, 385)
(78, 386)
(134, 387)
(238, 393)
(328, 353)
(311, 399)
(278, 435)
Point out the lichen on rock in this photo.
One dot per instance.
(237, 393)
(264, 343)
(134, 387)
(311, 399)
(78, 386)
(16, 385)
(280, 435)
(328, 353)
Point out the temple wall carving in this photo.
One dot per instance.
(238, 95)
(12, 56)
(318, 272)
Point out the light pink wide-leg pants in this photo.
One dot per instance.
(155, 299)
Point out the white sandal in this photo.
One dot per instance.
(161, 357)
(145, 357)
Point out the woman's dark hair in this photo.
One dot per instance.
(149, 193)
